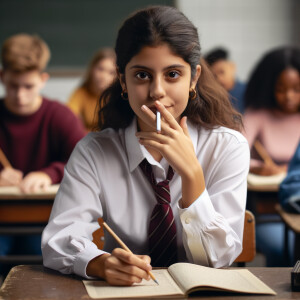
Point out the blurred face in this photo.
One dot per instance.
(23, 91)
(224, 72)
(156, 73)
(287, 91)
(104, 73)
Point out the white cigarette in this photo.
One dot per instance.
(158, 124)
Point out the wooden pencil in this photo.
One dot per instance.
(263, 153)
(122, 244)
(3, 160)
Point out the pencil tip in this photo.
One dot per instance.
(156, 281)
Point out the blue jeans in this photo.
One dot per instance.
(270, 242)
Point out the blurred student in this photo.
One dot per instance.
(99, 76)
(225, 72)
(272, 117)
(36, 135)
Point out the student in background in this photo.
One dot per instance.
(225, 72)
(272, 114)
(272, 117)
(36, 135)
(200, 163)
(99, 76)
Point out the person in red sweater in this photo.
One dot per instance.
(37, 135)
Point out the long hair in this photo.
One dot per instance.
(98, 56)
(260, 91)
(158, 25)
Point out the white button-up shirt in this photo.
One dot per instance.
(103, 179)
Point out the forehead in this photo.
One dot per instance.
(289, 76)
(24, 77)
(221, 65)
(160, 56)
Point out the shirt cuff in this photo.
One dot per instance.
(83, 258)
(200, 207)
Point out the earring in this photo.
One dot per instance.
(192, 94)
(124, 95)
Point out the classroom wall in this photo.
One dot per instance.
(74, 30)
(247, 28)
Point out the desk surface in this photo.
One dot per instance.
(36, 283)
(290, 219)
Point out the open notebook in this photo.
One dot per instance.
(181, 279)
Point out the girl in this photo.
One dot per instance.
(273, 109)
(273, 117)
(100, 75)
(197, 164)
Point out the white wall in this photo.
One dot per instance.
(247, 28)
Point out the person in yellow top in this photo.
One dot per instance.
(100, 73)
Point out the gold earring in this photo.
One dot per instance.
(124, 95)
(192, 94)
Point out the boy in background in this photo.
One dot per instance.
(225, 72)
(37, 135)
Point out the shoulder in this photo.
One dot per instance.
(56, 108)
(106, 141)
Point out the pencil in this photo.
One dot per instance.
(3, 160)
(263, 153)
(158, 123)
(124, 246)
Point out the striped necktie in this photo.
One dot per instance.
(162, 227)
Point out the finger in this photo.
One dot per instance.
(122, 278)
(132, 263)
(160, 138)
(167, 117)
(183, 125)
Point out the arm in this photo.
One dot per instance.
(212, 219)
(67, 240)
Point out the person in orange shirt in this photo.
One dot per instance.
(99, 76)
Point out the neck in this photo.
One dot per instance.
(155, 154)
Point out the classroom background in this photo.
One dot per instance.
(76, 29)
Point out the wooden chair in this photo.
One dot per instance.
(249, 246)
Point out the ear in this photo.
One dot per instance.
(233, 66)
(122, 80)
(44, 77)
(196, 77)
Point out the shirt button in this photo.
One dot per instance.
(187, 221)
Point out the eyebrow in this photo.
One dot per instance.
(166, 68)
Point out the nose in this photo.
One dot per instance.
(157, 90)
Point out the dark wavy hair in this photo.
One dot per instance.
(260, 91)
(154, 26)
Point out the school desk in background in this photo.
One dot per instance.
(24, 214)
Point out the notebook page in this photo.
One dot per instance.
(167, 287)
(191, 276)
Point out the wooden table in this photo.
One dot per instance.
(291, 222)
(39, 283)
(23, 214)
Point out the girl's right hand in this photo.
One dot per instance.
(120, 267)
(10, 177)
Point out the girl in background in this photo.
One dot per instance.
(273, 118)
(99, 76)
(272, 114)
(192, 171)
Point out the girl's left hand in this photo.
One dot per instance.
(175, 145)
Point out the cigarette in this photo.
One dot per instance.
(158, 124)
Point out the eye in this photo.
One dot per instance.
(173, 74)
(142, 75)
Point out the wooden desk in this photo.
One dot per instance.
(39, 283)
(22, 214)
(292, 222)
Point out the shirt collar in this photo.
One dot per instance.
(137, 153)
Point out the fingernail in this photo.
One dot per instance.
(149, 267)
(144, 108)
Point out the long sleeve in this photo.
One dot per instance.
(213, 224)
